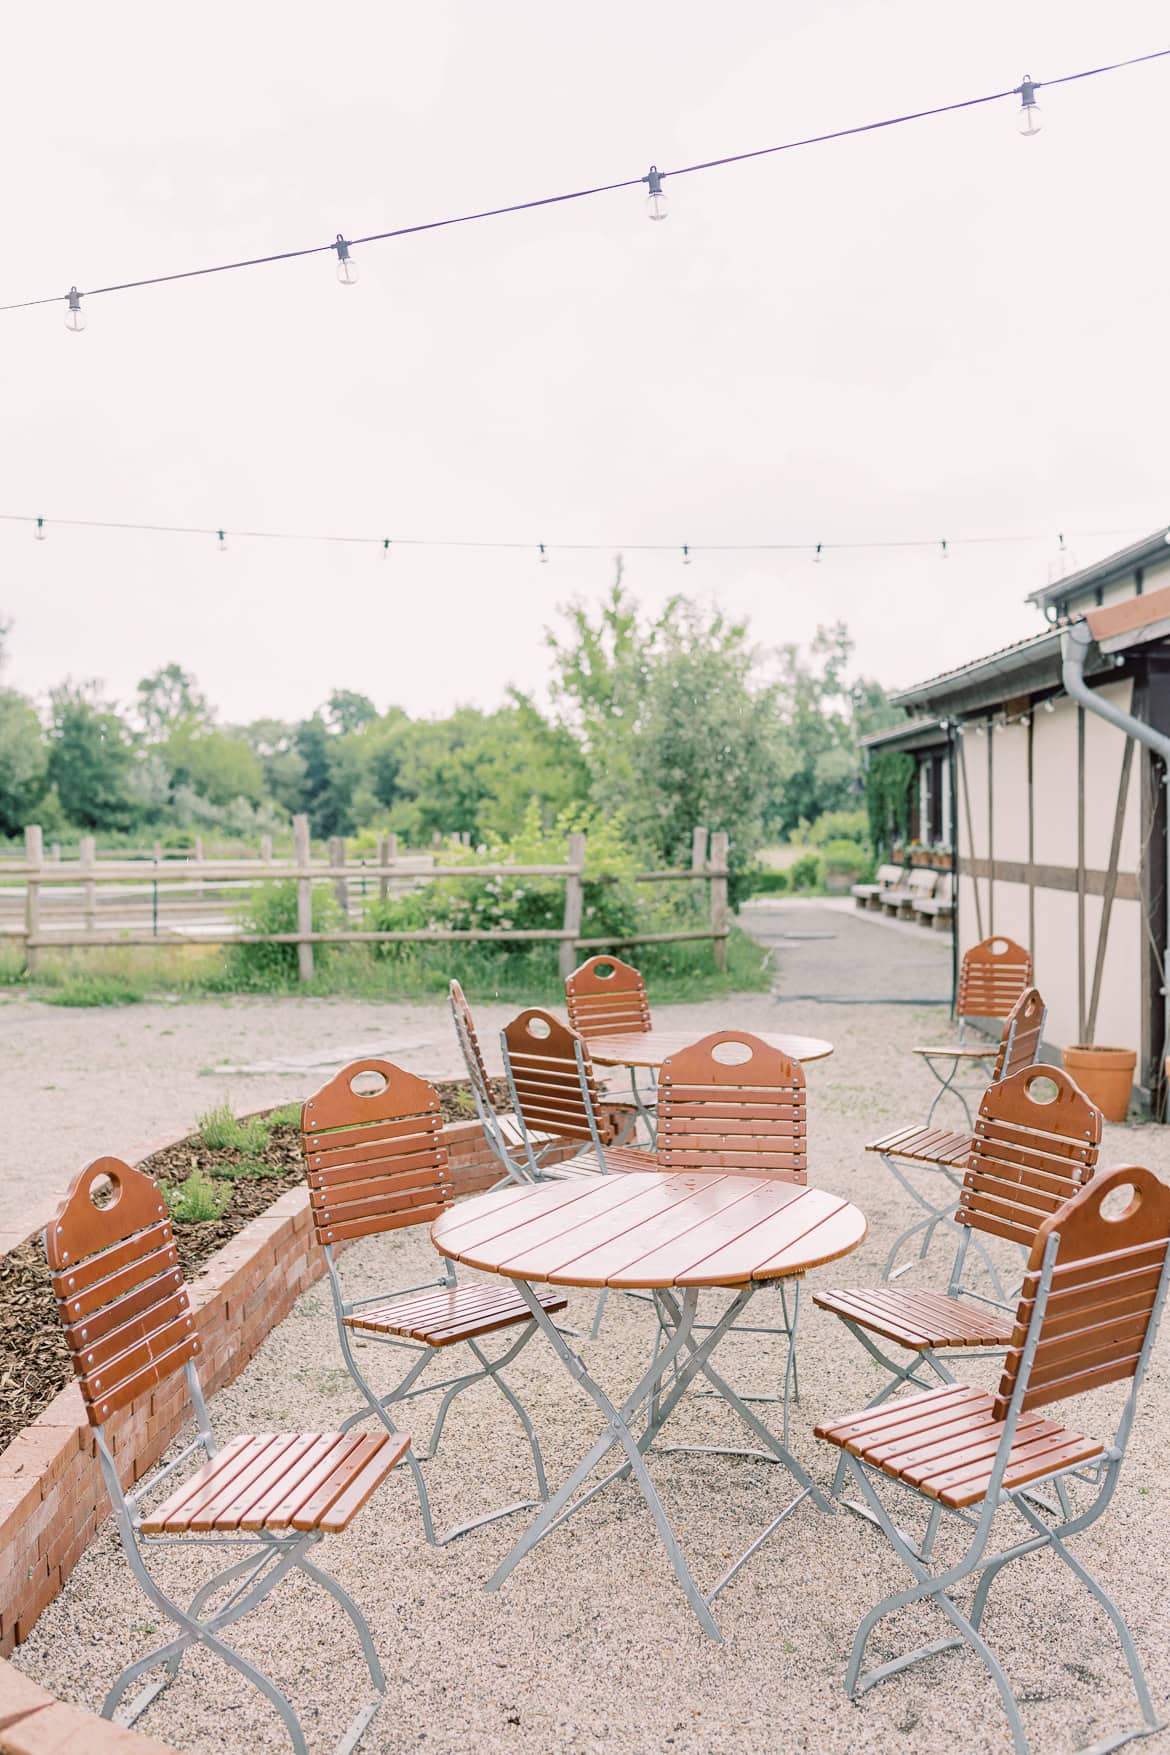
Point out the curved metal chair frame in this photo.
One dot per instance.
(945, 1152)
(992, 976)
(606, 997)
(1092, 1296)
(504, 1133)
(124, 1304)
(1028, 1158)
(377, 1161)
(743, 1112)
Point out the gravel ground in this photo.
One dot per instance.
(590, 1646)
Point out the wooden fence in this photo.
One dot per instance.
(48, 904)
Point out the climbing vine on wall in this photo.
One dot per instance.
(889, 777)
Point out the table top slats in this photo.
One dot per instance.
(648, 1229)
(652, 1047)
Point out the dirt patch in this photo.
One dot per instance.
(34, 1362)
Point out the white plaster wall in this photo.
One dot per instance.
(1009, 748)
(1054, 797)
(1054, 959)
(1104, 748)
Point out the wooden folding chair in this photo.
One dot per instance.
(128, 1323)
(1028, 1156)
(606, 997)
(504, 1133)
(1093, 1292)
(377, 1161)
(992, 976)
(944, 1151)
(731, 1103)
(554, 1089)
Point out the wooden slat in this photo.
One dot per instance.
(294, 1468)
(226, 1508)
(295, 1494)
(417, 1214)
(568, 1243)
(655, 1046)
(233, 1454)
(311, 1511)
(128, 1389)
(363, 1483)
(669, 1223)
(141, 1302)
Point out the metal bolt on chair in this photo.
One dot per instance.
(944, 1152)
(606, 997)
(1093, 1292)
(268, 1501)
(1033, 1148)
(377, 1161)
(992, 976)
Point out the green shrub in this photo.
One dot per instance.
(196, 1200)
(761, 880)
(220, 1131)
(837, 825)
(288, 1115)
(273, 908)
(807, 872)
(845, 858)
(85, 990)
(234, 1169)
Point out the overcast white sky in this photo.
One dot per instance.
(941, 330)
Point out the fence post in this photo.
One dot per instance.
(387, 855)
(698, 849)
(87, 856)
(55, 852)
(266, 849)
(34, 853)
(158, 853)
(574, 900)
(340, 885)
(302, 854)
(719, 854)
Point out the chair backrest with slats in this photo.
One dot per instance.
(374, 1152)
(552, 1078)
(1036, 1142)
(1023, 1032)
(119, 1286)
(1105, 1290)
(730, 1102)
(468, 1038)
(992, 977)
(606, 997)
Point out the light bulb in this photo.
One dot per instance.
(817, 554)
(686, 555)
(385, 548)
(75, 316)
(655, 200)
(40, 532)
(222, 542)
(945, 551)
(1030, 122)
(543, 555)
(346, 266)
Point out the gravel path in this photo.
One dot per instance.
(590, 1646)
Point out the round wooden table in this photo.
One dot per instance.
(669, 1235)
(652, 1047)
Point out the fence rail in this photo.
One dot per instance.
(53, 903)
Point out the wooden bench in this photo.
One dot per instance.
(869, 895)
(938, 910)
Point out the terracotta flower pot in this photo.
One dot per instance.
(1105, 1075)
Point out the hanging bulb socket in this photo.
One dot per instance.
(74, 315)
(543, 554)
(946, 553)
(385, 547)
(347, 272)
(655, 199)
(40, 532)
(1030, 122)
(686, 555)
(221, 542)
(817, 554)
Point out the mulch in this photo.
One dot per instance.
(34, 1363)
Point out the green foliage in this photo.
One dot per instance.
(167, 698)
(807, 872)
(273, 908)
(196, 1199)
(888, 779)
(836, 825)
(85, 989)
(220, 1131)
(288, 1115)
(762, 880)
(234, 1169)
(24, 762)
(843, 858)
(218, 765)
(90, 759)
(677, 726)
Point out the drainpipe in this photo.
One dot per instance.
(1074, 649)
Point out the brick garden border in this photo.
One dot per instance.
(52, 1498)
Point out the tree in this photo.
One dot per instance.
(90, 759)
(329, 779)
(24, 762)
(220, 765)
(167, 697)
(824, 718)
(348, 711)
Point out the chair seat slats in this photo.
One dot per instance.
(442, 1317)
(927, 1145)
(300, 1481)
(945, 1441)
(917, 1319)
